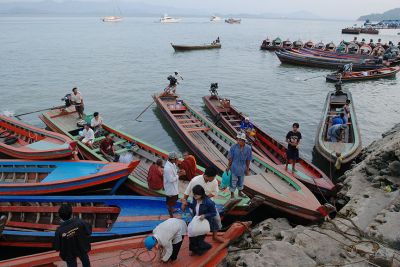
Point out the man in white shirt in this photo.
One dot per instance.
(210, 185)
(77, 100)
(169, 236)
(96, 123)
(171, 181)
(87, 137)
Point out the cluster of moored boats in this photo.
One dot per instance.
(53, 167)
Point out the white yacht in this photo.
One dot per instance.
(168, 19)
(215, 19)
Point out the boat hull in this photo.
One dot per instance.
(364, 76)
(179, 48)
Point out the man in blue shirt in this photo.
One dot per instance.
(240, 156)
(246, 125)
(338, 119)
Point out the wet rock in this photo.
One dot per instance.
(371, 171)
(394, 168)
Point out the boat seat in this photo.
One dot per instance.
(205, 129)
(45, 145)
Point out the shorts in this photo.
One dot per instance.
(171, 200)
(292, 154)
(87, 141)
(236, 182)
(79, 108)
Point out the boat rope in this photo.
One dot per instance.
(132, 257)
(141, 113)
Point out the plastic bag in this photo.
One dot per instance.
(198, 227)
(226, 179)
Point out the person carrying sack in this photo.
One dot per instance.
(202, 208)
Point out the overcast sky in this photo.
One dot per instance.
(324, 8)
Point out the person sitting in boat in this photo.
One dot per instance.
(169, 236)
(107, 148)
(246, 125)
(335, 132)
(338, 119)
(87, 136)
(217, 41)
(96, 123)
(348, 68)
(155, 175)
(189, 165)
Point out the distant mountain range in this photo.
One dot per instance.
(390, 14)
(81, 8)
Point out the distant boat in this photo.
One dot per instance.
(168, 19)
(196, 47)
(233, 21)
(113, 18)
(215, 19)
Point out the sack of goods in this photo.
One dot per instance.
(226, 180)
(198, 227)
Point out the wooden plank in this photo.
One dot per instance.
(198, 129)
(43, 226)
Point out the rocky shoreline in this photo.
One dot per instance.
(365, 232)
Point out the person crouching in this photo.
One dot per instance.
(169, 236)
(204, 207)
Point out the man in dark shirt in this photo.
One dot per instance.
(72, 238)
(293, 139)
(107, 148)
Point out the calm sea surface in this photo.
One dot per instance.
(118, 66)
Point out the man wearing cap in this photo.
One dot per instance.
(240, 156)
(168, 235)
(87, 136)
(171, 181)
(246, 125)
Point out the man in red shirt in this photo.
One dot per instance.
(155, 175)
(107, 148)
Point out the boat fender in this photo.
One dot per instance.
(11, 140)
(338, 163)
(198, 227)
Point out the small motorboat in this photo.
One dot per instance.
(320, 46)
(363, 75)
(298, 44)
(353, 48)
(23, 141)
(215, 19)
(111, 19)
(341, 48)
(365, 50)
(19, 177)
(180, 48)
(287, 44)
(32, 220)
(331, 47)
(266, 44)
(309, 44)
(233, 21)
(351, 30)
(369, 30)
(168, 19)
(130, 251)
(345, 150)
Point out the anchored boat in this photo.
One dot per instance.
(267, 146)
(131, 251)
(178, 48)
(32, 220)
(363, 75)
(349, 147)
(65, 122)
(20, 177)
(212, 146)
(23, 141)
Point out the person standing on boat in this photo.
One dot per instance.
(87, 136)
(72, 238)
(77, 100)
(346, 110)
(240, 156)
(169, 236)
(189, 165)
(217, 41)
(177, 77)
(293, 138)
(210, 184)
(171, 182)
(155, 175)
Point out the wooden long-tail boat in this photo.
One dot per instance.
(363, 75)
(179, 48)
(19, 177)
(32, 220)
(64, 121)
(267, 146)
(233, 21)
(323, 62)
(309, 44)
(298, 44)
(349, 146)
(130, 251)
(330, 47)
(212, 146)
(23, 141)
(287, 44)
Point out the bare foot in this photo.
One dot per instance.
(241, 194)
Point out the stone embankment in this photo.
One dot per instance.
(365, 232)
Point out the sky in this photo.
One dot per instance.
(339, 9)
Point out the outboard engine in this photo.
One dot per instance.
(213, 89)
(67, 99)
